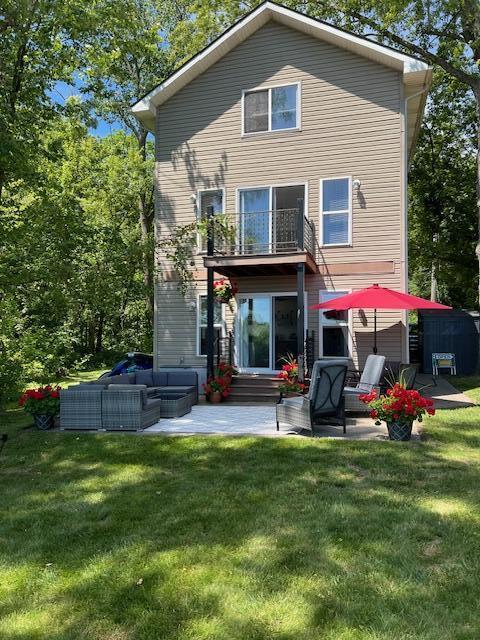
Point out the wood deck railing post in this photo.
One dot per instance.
(301, 321)
(300, 226)
(210, 299)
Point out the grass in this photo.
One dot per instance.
(117, 537)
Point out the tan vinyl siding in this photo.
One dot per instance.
(350, 126)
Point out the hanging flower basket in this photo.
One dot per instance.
(224, 291)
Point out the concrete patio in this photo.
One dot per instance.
(255, 420)
(259, 420)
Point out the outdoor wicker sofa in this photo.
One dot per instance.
(131, 401)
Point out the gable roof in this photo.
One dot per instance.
(416, 73)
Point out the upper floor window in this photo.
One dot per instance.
(336, 211)
(271, 109)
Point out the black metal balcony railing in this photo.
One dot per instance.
(268, 232)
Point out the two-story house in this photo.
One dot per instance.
(302, 134)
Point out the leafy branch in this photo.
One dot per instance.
(181, 246)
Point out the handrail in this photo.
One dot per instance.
(274, 231)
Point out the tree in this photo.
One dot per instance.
(446, 33)
(442, 197)
(39, 45)
(126, 60)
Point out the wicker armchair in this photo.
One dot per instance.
(323, 403)
(127, 407)
(81, 407)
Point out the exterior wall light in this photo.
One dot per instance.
(193, 198)
(356, 184)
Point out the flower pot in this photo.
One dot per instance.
(399, 430)
(42, 421)
(216, 397)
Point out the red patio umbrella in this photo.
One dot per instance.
(376, 297)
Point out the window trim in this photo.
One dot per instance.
(222, 324)
(198, 212)
(297, 127)
(348, 211)
(348, 324)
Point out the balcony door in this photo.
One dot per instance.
(255, 221)
(268, 218)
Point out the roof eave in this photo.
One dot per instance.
(145, 108)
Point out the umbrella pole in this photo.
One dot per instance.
(375, 331)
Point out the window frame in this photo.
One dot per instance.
(348, 211)
(221, 325)
(198, 212)
(268, 88)
(347, 324)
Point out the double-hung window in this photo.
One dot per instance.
(334, 330)
(218, 324)
(209, 198)
(336, 210)
(271, 109)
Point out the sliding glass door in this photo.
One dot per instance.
(266, 331)
(254, 332)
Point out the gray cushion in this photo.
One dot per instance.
(115, 380)
(153, 402)
(179, 389)
(100, 382)
(85, 386)
(160, 378)
(182, 377)
(144, 377)
(127, 387)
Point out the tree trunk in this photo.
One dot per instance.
(145, 220)
(477, 250)
(433, 283)
(99, 338)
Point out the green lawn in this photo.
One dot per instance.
(117, 537)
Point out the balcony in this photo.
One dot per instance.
(266, 243)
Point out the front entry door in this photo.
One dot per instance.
(266, 331)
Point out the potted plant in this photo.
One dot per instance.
(43, 404)
(399, 408)
(217, 388)
(224, 291)
(289, 375)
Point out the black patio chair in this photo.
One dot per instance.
(324, 403)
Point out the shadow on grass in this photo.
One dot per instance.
(240, 537)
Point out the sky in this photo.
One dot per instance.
(63, 90)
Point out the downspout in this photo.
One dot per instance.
(404, 143)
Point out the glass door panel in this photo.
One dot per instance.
(286, 202)
(254, 316)
(285, 323)
(255, 231)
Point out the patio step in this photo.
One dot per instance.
(249, 388)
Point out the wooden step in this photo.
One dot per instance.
(252, 388)
(253, 398)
